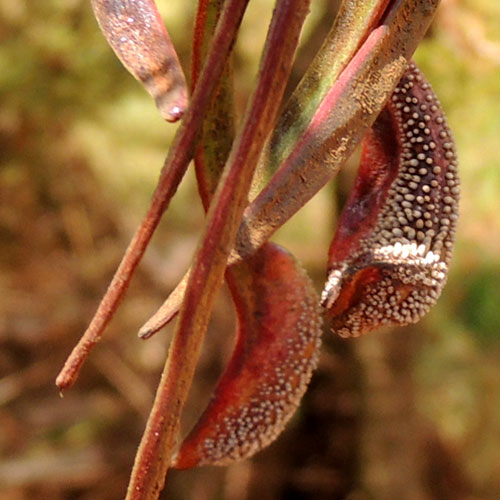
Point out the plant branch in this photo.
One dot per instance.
(351, 27)
(179, 156)
(340, 121)
(223, 219)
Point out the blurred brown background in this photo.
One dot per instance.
(410, 414)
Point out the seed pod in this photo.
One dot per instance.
(136, 33)
(279, 329)
(389, 258)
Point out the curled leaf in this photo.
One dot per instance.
(279, 329)
(390, 256)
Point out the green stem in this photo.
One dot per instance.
(352, 26)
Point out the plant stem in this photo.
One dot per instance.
(224, 216)
(351, 27)
(179, 156)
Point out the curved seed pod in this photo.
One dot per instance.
(279, 329)
(279, 321)
(389, 259)
(136, 33)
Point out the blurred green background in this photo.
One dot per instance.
(409, 413)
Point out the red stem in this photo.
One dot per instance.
(179, 156)
(153, 458)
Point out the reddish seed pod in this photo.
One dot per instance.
(136, 33)
(279, 331)
(390, 256)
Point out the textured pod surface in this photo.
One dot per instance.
(390, 256)
(136, 33)
(279, 331)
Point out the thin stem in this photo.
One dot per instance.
(224, 216)
(219, 125)
(180, 154)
